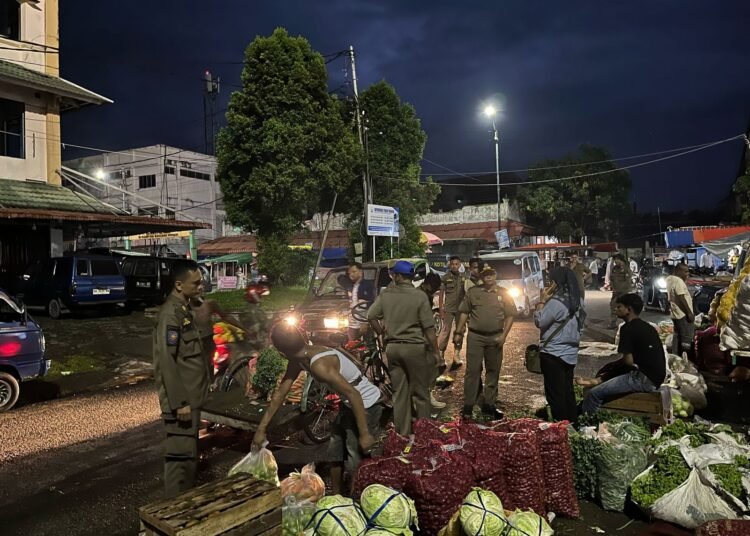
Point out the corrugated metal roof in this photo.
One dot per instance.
(23, 76)
(44, 196)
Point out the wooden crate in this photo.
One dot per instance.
(236, 505)
(656, 406)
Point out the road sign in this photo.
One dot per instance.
(382, 221)
(502, 238)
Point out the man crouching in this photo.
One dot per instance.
(358, 421)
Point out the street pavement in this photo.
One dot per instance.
(84, 464)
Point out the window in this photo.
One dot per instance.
(10, 19)
(506, 268)
(148, 211)
(11, 128)
(147, 181)
(127, 267)
(82, 268)
(104, 267)
(145, 268)
(169, 214)
(195, 174)
(169, 170)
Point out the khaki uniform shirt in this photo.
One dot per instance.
(405, 312)
(581, 271)
(453, 285)
(621, 279)
(181, 373)
(487, 309)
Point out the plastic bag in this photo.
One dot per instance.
(261, 464)
(305, 485)
(295, 515)
(691, 504)
(618, 464)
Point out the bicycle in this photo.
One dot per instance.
(371, 355)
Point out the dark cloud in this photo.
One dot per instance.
(635, 77)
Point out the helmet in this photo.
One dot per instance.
(254, 293)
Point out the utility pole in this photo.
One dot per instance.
(210, 99)
(366, 187)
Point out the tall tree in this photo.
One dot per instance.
(285, 147)
(592, 205)
(394, 146)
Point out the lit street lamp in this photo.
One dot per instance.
(490, 111)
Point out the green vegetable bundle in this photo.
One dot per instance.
(337, 516)
(271, 365)
(585, 452)
(730, 476)
(295, 516)
(669, 471)
(619, 463)
(528, 523)
(482, 514)
(387, 508)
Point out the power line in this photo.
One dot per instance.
(584, 175)
(449, 169)
(634, 157)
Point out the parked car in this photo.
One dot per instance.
(147, 279)
(325, 313)
(521, 274)
(21, 350)
(75, 282)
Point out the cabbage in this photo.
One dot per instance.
(337, 516)
(386, 532)
(388, 508)
(528, 524)
(482, 514)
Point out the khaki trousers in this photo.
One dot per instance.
(180, 453)
(412, 372)
(482, 350)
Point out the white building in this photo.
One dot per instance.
(182, 182)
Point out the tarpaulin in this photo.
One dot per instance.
(676, 239)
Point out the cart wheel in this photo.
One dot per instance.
(237, 375)
(321, 407)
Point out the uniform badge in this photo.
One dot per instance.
(186, 322)
(173, 335)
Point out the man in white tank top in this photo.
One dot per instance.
(358, 421)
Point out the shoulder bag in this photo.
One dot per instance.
(532, 357)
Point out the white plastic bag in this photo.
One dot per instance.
(692, 503)
(261, 464)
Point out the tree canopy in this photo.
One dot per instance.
(592, 205)
(285, 147)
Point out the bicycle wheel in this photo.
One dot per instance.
(237, 375)
(438, 322)
(322, 407)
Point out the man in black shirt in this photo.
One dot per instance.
(642, 356)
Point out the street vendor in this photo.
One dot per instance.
(358, 421)
(643, 365)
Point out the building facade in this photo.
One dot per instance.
(158, 181)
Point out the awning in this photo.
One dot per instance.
(603, 247)
(72, 95)
(239, 258)
(722, 246)
(700, 235)
(29, 202)
(431, 239)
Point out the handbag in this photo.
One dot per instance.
(532, 357)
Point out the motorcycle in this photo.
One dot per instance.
(652, 286)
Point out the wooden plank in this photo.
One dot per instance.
(265, 524)
(645, 406)
(234, 517)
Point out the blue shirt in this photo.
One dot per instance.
(565, 343)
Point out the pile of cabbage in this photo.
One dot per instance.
(382, 510)
(482, 514)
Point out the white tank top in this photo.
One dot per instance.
(351, 373)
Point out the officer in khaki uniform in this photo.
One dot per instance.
(452, 292)
(407, 325)
(621, 281)
(489, 310)
(182, 377)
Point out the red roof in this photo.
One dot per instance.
(476, 231)
(248, 243)
(601, 247)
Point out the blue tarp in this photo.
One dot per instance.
(676, 239)
(335, 253)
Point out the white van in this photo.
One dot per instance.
(521, 273)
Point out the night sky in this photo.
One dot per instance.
(635, 77)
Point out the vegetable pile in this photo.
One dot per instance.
(482, 514)
(730, 476)
(668, 472)
(270, 366)
(337, 516)
(304, 486)
(295, 516)
(387, 508)
(261, 464)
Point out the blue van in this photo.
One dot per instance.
(21, 350)
(76, 282)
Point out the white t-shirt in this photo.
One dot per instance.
(677, 287)
(370, 393)
(706, 261)
(594, 267)
(634, 267)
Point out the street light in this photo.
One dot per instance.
(490, 111)
(99, 174)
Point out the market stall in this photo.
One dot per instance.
(231, 271)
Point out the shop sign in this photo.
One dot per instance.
(227, 282)
(155, 236)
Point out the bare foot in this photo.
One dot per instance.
(583, 382)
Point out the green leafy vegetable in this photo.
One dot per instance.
(482, 514)
(730, 477)
(339, 516)
(585, 452)
(669, 471)
(271, 365)
(528, 523)
(398, 513)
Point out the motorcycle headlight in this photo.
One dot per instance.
(514, 292)
(661, 282)
(334, 322)
(291, 320)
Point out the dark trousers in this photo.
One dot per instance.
(482, 350)
(682, 339)
(180, 453)
(558, 387)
